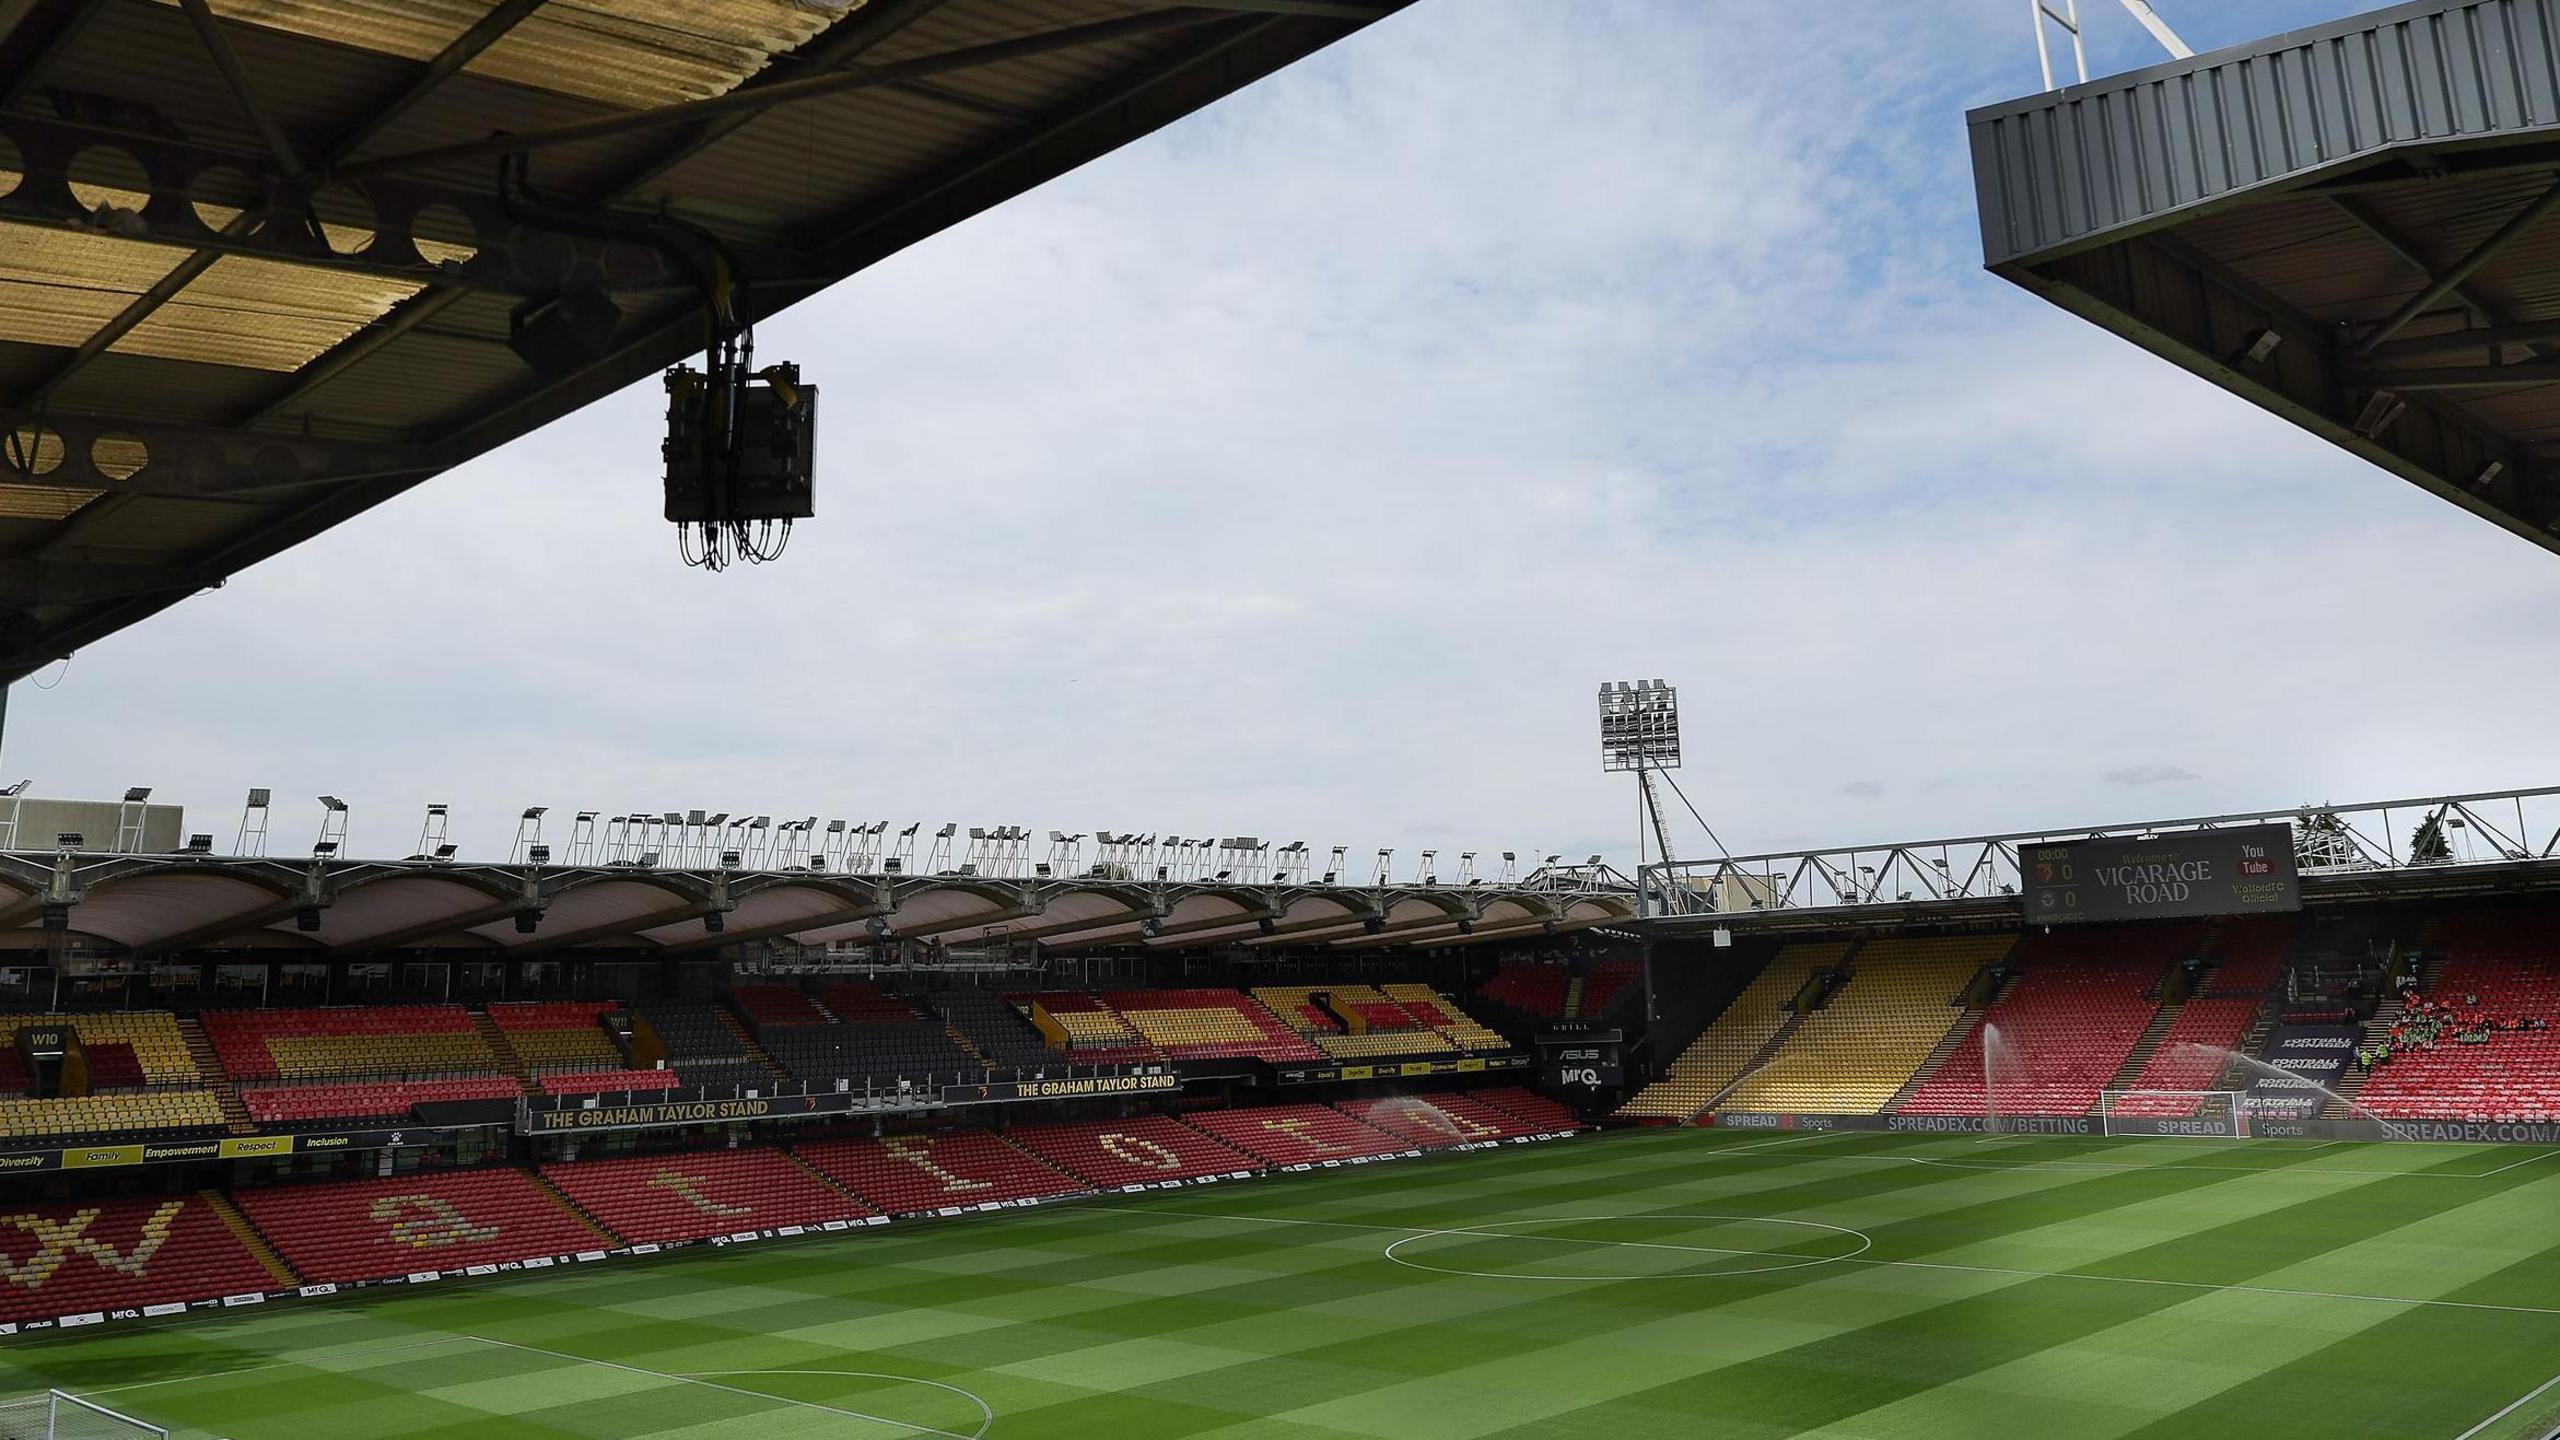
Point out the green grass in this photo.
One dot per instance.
(1974, 1289)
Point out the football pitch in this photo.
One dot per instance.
(1654, 1283)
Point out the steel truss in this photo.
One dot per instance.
(2496, 827)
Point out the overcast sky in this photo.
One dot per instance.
(1300, 471)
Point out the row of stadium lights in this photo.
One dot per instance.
(695, 840)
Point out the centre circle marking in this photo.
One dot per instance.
(1492, 1230)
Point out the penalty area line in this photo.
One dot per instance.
(2513, 1406)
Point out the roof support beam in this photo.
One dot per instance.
(2444, 283)
(615, 929)
(34, 44)
(2467, 377)
(195, 462)
(767, 931)
(754, 100)
(28, 583)
(2482, 337)
(218, 45)
(464, 48)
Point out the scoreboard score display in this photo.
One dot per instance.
(2244, 871)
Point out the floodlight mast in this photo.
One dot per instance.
(1640, 731)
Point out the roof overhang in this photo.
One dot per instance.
(2349, 225)
(257, 270)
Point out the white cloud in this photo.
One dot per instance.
(1299, 470)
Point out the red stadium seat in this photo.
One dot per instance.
(690, 1196)
(1294, 1134)
(71, 1259)
(1131, 1152)
(374, 1229)
(919, 1174)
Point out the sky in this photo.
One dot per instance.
(1301, 470)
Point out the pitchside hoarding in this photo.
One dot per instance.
(2244, 871)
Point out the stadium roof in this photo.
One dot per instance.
(257, 267)
(167, 905)
(2349, 225)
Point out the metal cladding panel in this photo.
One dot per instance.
(2068, 168)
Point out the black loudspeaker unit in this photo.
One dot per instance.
(559, 333)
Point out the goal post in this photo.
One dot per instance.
(2186, 1113)
(61, 1415)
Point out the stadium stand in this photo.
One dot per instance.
(1608, 980)
(72, 1259)
(1209, 1025)
(701, 1044)
(859, 1002)
(1716, 1058)
(350, 1230)
(158, 1048)
(1532, 988)
(654, 1199)
(2249, 954)
(557, 1034)
(348, 1040)
(158, 1113)
(2485, 1060)
(997, 1029)
(1440, 1013)
(606, 1082)
(369, 1100)
(1130, 1152)
(768, 1006)
(2191, 1056)
(1294, 1134)
(1537, 1111)
(1851, 1056)
(2081, 1001)
(1348, 1021)
(869, 1054)
(1094, 1033)
(920, 1174)
(1436, 1120)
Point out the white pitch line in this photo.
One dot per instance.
(1419, 1230)
(2519, 1164)
(2520, 1402)
(729, 1389)
(1768, 1144)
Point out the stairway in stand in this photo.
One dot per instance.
(250, 1240)
(747, 1038)
(209, 1069)
(1573, 998)
(2152, 1035)
(496, 1039)
(605, 1239)
(1750, 1067)
(1948, 1046)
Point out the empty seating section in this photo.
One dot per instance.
(158, 1048)
(1209, 1025)
(72, 1259)
(1095, 1034)
(654, 1199)
(874, 1055)
(917, 1174)
(557, 1034)
(606, 1082)
(2500, 967)
(1294, 1134)
(1608, 980)
(1296, 1007)
(997, 1030)
(1716, 1058)
(370, 1100)
(105, 1117)
(1381, 1044)
(347, 1040)
(2249, 953)
(700, 1043)
(1130, 1152)
(1439, 1012)
(2065, 1027)
(1531, 988)
(372, 1229)
(1850, 1056)
(767, 1006)
(859, 1002)
(112, 1066)
(2192, 1053)
(1546, 1115)
(1435, 1120)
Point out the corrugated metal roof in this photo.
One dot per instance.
(2072, 166)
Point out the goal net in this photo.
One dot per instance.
(2174, 1112)
(55, 1415)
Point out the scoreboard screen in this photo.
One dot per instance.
(2244, 871)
